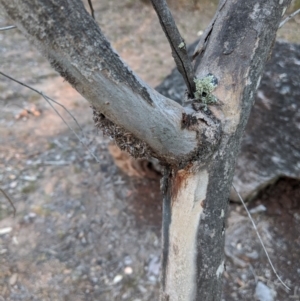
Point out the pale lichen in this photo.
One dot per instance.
(181, 45)
(204, 89)
(220, 269)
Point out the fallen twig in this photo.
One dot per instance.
(49, 100)
(9, 200)
(7, 28)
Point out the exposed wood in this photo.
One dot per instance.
(186, 206)
(197, 143)
(235, 53)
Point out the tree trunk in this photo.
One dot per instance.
(197, 143)
(195, 203)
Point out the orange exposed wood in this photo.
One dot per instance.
(179, 178)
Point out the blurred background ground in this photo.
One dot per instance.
(87, 231)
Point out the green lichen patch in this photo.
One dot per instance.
(181, 45)
(204, 89)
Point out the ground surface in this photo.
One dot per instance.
(84, 230)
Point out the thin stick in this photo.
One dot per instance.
(259, 237)
(9, 200)
(41, 93)
(7, 28)
(49, 102)
(289, 17)
(91, 8)
(48, 99)
(178, 46)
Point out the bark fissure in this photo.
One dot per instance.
(235, 52)
(200, 48)
(198, 144)
(165, 188)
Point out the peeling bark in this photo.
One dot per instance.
(188, 191)
(239, 44)
(197, 144)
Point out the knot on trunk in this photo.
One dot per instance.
(208, 132)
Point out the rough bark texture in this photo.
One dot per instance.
(75, 46)
(198, 143)
(236, 50)
(271, 143)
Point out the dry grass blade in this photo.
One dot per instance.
(9, 200)
(49, 100)
(259, 237)
(7, 28)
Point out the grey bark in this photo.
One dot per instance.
(198, 144)
(270, 147)
(75, 46)
(237, 48)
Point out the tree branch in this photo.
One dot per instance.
(289, 17)
(238, 45)
(7, 28)
(229, 57)
(178, 46)
(200, 48)
(73, 43)
(92, 8)
(49, 100)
